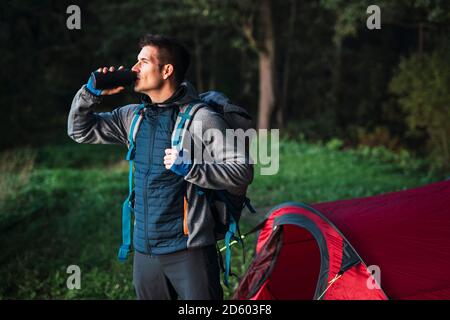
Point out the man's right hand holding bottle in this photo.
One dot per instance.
(104, 92)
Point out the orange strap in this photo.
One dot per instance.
(185, 226)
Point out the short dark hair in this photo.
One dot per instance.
(170, 51)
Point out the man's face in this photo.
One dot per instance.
(149, 71)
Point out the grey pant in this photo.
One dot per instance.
(192, 274)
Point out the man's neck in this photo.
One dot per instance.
(162, 94)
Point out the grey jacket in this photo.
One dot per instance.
(87, 126)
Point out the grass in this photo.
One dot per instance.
(60, 206)
(313, 173)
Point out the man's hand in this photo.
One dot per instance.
(90, 84)
(170, 157)
(174, 161)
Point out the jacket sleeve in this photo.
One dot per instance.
(227, 168)
(86, 126)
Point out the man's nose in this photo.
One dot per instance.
(135, 68)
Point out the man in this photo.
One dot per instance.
(174, 239)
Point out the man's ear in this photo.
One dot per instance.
(167, 71)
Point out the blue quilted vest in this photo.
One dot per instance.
(159, 193)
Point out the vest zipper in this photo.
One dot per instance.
(153, 119)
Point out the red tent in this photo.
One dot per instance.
(390, 246)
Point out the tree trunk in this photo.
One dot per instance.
(266, 67)
(282, 109)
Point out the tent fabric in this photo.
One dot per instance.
(305, 251)
(323, 251)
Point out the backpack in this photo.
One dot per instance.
(225, 207)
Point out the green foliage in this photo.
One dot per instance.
(15, 169)
(337, 69)
(68, 156)
(334, 144)
(422, 85)
(316, 173)
(380, 136)
(350, 16)
(64, 215)
(53, 199)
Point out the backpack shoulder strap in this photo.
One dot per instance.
(135, 123)
(182, 123)
(127, 206)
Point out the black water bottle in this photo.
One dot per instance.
(114, 79)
